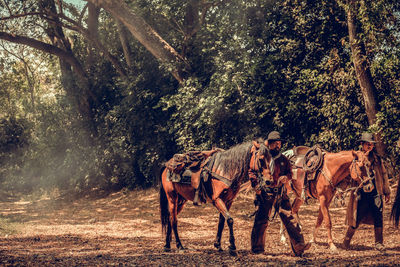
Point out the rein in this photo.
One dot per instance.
(343, 193)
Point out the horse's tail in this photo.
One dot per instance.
(395, 214)
(164, 211)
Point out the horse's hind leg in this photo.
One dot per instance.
(167, 246)
(173, 210)
(222, 208)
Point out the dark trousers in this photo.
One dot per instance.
(265, 204)
(370, 205)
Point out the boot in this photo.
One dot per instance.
(349, 235)
(379, 239)
(299, 248)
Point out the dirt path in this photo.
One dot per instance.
(124, 229)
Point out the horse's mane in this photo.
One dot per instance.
(234, 161)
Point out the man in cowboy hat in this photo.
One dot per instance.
(365, 205)
(271, 194)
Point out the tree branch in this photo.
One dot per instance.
(45, 47)
(147, 36)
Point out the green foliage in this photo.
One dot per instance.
(256, 66)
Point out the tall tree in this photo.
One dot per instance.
(362, 68)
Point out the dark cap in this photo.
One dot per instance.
(367, 137)
(274, 136)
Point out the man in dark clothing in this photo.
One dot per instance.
(366, 205)
(271, 194)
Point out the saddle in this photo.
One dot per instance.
(179, 162)
(312, 162)
(187, 167)
(297, 156)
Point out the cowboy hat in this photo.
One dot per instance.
(367, 137)
(274, 136)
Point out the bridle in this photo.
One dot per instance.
(259, 162)
(363, 182)
(353, 167)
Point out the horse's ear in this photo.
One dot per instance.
(256, 144)
(355, 156)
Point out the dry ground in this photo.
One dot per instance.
(124, 229)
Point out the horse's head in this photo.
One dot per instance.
(360, 168)
(260, 160)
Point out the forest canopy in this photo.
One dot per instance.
(100, 94)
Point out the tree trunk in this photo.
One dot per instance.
(363, 72)
(82, 98)
(93, 31)
(146, 35)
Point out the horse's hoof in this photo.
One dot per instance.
(333, 248)
(218, 246)
(166, 249)
(232, 252)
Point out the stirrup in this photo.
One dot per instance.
(303, 196)
(196, 200)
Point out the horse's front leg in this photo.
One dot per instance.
(221, 224)
(320, 218)
(222, 208)
(282, 233)
(298, 201)
(324, 204)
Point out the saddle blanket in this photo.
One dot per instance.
(184, 178)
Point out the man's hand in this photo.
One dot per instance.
(283, 179)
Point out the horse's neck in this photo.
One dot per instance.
(221, 164)
(338, 165)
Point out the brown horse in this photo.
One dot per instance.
(336, 167)
(227, 171)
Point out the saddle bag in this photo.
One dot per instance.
(176, 164)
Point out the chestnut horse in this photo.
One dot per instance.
(336, 167)
(395, 214)
(227, 171)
